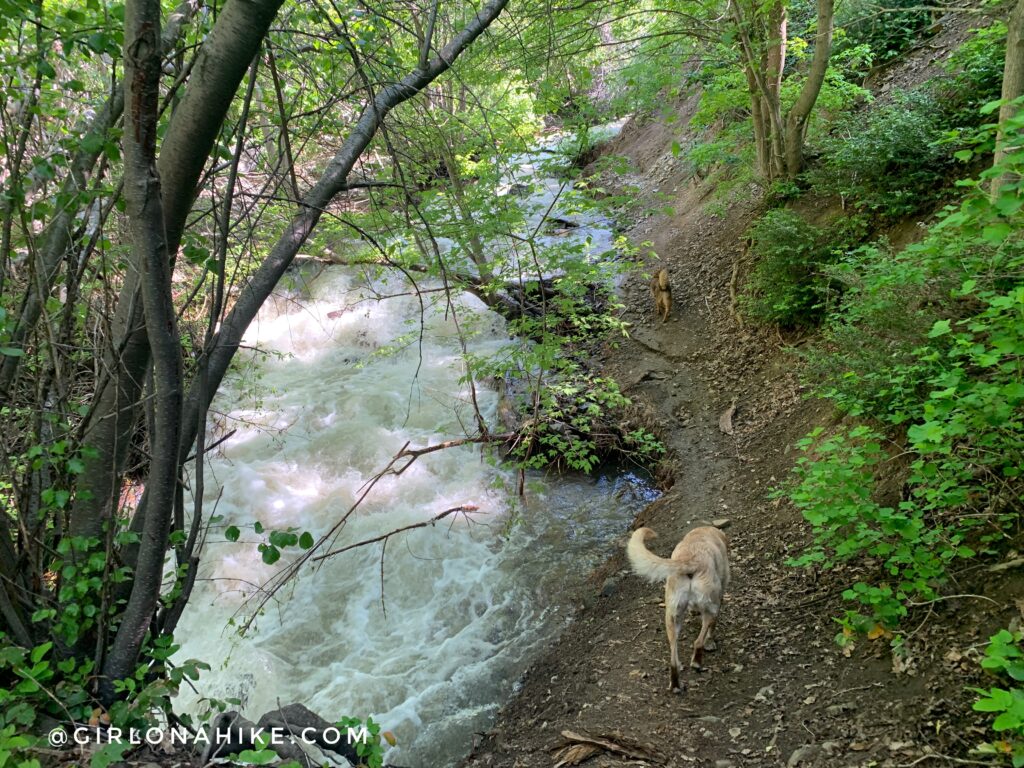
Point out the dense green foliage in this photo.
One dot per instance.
(887, 34)
(928, 345)
(888, 161)
(883, 162)
(785, 286)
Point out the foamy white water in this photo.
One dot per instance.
(341, 382)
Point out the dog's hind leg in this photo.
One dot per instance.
(707, 623)
(672, 631)
(709, 641)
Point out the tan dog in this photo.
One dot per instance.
(661, 290)
(695, 578)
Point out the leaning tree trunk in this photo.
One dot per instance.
(796, 121)
(1013, 89)
(145, 209)
(222, 63)
(765, 87)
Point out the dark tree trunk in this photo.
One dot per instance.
(223, 62)
(142, 190)
(1013, 87)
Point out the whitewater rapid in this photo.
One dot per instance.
(336, 382)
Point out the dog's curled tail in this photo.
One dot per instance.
(645, 563)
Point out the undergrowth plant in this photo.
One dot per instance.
(896, 158)
(570, 418)
(887, 160)
(938, 393)
(786, 286)
(887, 34)
(1004, 659)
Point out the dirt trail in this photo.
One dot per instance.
(779, 691)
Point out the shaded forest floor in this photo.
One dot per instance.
(779, 691)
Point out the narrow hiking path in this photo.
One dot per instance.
(779, 691)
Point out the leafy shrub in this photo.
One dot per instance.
(41, 685)
(894, 160)
(887, 160)
(951, 395)
(571, 419)
(977, 76)
(1004, 659)
(786, 285)
(898, 298)
(835, 492)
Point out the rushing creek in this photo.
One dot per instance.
(432, 644)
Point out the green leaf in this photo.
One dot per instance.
(306, 540)
(1006, 721)
(261, 757)
(940, 328)
(231, 533)
(198, 255)
(271, 554)
(109, 754)
(99, 42)
(995, 234)
(283, 539)
(929, 432)
(39, 651)
(998, 700)
(93, 143)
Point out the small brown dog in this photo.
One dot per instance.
(695, 579)
(661, 290)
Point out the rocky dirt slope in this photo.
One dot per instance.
(779, 691)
